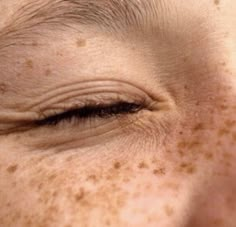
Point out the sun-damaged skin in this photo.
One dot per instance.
(171, 164)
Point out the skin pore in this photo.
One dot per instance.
(122, 119)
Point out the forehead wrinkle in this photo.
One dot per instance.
(113, 15)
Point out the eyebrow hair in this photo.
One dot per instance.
(112, 15)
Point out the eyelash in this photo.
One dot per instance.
(90, 112)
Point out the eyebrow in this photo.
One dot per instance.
(112, 15)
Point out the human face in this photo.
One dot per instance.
(126, 119)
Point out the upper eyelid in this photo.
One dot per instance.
(93, 111)
(109, 89)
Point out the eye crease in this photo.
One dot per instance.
(91, 111)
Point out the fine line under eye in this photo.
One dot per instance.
(87, 112)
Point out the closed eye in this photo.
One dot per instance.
(93, 111)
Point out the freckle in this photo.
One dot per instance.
(198, 127)
(218, 222)
(59, 54)
(171, 185)
(92, 178)
(54, 194)
(185, 59)
(182, 144)
(223, 132)
(117, 165)
(194, 144)
(126, 180)
(80, 195)
(160, 171)
(3, 88)
(12, 168)
(191, 170)
(217, 2)
(52, 177)
(29, 64)
(228, 155)
(35, 44)
(81, 43)
(142, 165)
(108, 223)
(70, 158)
(48, 72)
(181, 153)
(188, 168)
(234, 136)
(209, 156)
(223, 107)
(169, 210)
(185, 87)
(230, 123)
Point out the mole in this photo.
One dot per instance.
(12, 168)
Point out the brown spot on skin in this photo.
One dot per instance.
(142, 165)
(182, 144)
(29, 64)
(186, 87)
(223, 132)
(198, 127)
(80, 195)
(185, 59)
(194, 144)
(48, 72)
(187, 168)
(223, 107)
(234, 136)
(59, 54)
(227, 156)
(223, 63)
(181, 153)
(169, 210)
(12, 168)
(52, 177)
(217, 2)
(160, 171)
(92, 178)
(117, 165)
(81, 43)
(34, 44)
(3, 88)
(230, 123)
(209, 156)
(171, 186)
(218, 222)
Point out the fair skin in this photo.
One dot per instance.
(169, 161)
